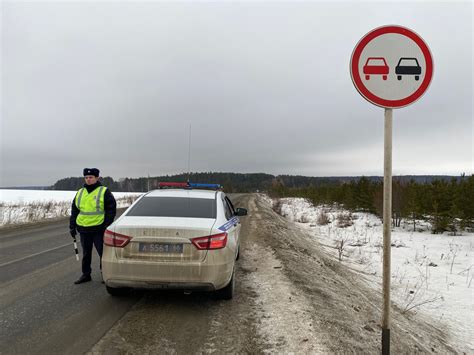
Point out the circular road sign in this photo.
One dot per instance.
(391, 66)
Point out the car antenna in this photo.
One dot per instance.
(189, 154)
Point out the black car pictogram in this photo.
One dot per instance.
(408, 66)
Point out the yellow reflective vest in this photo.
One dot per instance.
(91, 207)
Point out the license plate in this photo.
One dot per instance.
(160, 248)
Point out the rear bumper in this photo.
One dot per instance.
(160, 285)
(211, 274)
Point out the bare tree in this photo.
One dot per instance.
(341, 244)
(453, 250)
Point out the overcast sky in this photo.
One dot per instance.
(265, 87)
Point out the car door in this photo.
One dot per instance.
(233, 221)
(236, 224)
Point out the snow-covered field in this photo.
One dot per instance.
(431, 274)
(24, 206)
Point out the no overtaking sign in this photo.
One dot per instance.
(391, 66)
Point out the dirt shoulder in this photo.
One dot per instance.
(290, 297)
(346, 311)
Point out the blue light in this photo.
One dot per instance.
(206, 186)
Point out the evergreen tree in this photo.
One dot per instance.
(441, 206)
(464, 202)
(412, 208)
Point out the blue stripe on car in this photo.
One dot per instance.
(229, 224)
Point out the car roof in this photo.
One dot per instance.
(189, 193)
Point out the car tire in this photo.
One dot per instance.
(227, 292)
(399, 77)
(117, 292)
(417, 77)
(367, 77)
(384, 77)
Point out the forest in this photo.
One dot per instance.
(447, 202)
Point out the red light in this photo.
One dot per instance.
(116, 239)
(211, 242)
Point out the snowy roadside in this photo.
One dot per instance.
(431, 274)
(26, 206)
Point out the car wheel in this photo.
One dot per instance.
(417, 77)
(399, 77)
(367, 77)
(227, 292)
(384, 77)
(121, 291)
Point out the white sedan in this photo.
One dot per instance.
(180, 238)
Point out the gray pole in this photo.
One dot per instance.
(387, 224)
(189, 153)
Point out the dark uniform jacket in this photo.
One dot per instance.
(110, 207)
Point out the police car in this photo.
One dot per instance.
(181, 236)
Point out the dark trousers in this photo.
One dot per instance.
(87, 240)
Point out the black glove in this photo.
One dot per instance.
(73, 233)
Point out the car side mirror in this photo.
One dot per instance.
(241, 212)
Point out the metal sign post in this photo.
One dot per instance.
(391, 67)
(387, 221)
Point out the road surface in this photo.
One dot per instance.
(42, 311)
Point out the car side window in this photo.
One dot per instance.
(231, 206)
(227, 210)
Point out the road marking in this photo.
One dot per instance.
(32, 255)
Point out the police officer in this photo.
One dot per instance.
(93, 210)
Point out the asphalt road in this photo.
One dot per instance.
(41, 310)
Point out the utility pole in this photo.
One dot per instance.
(189, 153)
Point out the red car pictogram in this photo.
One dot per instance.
(375, 66)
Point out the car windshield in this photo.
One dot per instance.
(409, 62)
(174, 207)
(376, 62)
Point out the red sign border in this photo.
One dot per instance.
(357, 81)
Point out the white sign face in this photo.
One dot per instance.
(391, 67)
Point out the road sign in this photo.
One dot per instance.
(391, 66)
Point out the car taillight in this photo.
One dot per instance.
(116, 239)
(215, 241)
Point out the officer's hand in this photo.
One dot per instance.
(73, 232)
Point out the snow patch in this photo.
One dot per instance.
(24, 206)
(431, 274)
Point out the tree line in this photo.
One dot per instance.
(447, 204)
(446, 201)
(232, 182)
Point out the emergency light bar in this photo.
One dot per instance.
(205, 186)
(189, 185)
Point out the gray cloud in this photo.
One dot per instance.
(265, 86)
